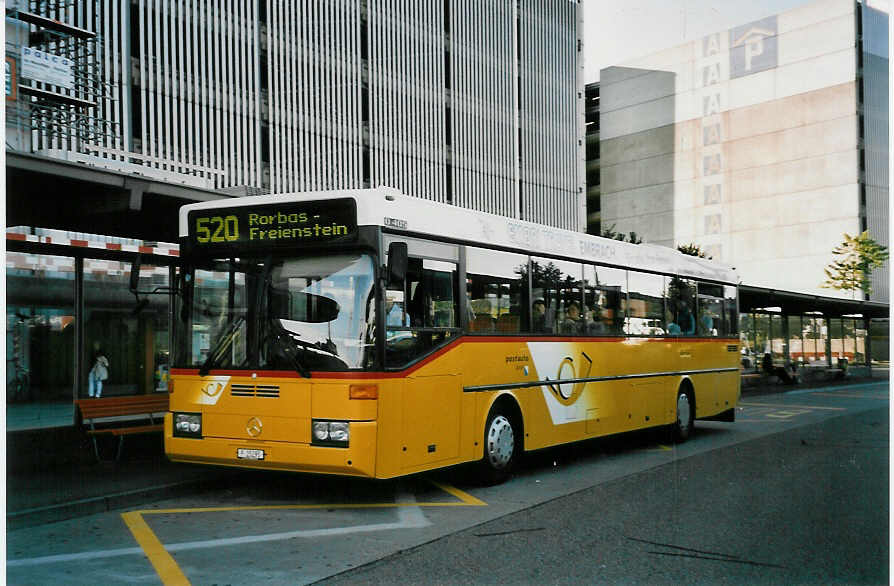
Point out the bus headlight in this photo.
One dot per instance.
(330, 433)
(187, 425)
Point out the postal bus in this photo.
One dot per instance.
(368, 333)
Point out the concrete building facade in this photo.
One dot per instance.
(763, 144)
(119, 112)
(475, 104)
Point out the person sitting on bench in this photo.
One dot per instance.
(780, 372)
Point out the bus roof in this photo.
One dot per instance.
(387, 207)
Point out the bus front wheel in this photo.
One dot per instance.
(501, 441)
(685, 415)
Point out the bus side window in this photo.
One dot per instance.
(431, 310)
(496, 291)
(646, 306)
(710, 310)
(604, 290)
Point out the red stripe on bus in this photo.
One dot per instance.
(15, 236)
(79, 243)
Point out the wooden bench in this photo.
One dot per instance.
(123, 416)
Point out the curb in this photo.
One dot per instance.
(105, 503)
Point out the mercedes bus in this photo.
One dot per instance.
(368, 333)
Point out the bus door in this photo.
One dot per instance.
(431, 402)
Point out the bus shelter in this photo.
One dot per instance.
(811, 330)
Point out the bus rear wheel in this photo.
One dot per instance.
(685, 419)
(501, 442)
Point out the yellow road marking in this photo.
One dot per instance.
(165, 566)
(170, 573)
(661, 448)
(465, 497)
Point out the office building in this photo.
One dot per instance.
(763, 144)
(117, 113)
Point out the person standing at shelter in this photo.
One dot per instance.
(99, 372)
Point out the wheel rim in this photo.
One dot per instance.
(684, 412)
(500, 442)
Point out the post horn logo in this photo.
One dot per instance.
(213, 388)
(568, 392)
(254, 427)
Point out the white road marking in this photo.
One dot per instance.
(407, 518)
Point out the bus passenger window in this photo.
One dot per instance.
(710, 310)
(429, 318)
(558, 285)
(681, 316)
(645, 306)
(604, 291)
(730, 326)
(496, 295)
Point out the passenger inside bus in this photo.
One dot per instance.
(539, 315)
(573, 323)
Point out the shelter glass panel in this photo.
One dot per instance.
(761, 335)
(747, 338)
(40, 340)
(778, 339)
(132, 337)
(860, 334)
(795, 339)
(880, 340)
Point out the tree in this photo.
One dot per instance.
(610, 233)
(856, 258)
(693, 250)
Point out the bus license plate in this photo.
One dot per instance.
(249, 454)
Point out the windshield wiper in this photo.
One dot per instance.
(288, 348)
(223, 344)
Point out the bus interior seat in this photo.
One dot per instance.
(508, 323)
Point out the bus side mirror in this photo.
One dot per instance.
(397, 263)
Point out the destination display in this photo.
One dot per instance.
(276, 224)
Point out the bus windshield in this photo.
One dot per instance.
(298, 313)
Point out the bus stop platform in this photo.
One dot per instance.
(52, 474)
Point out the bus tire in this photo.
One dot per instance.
(501, 445)
(685, 415)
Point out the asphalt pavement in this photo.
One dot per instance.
(54, 476)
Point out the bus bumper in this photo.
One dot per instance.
(358, 459)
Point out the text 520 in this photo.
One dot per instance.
(217, 229)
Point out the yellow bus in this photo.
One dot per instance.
(368, 333)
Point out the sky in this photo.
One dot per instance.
(615, 31)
